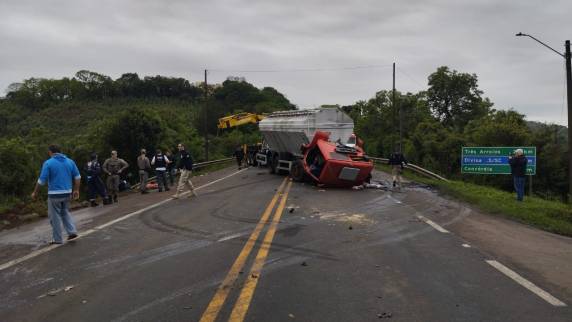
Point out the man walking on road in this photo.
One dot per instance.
(95, 185)
(239, 155)
(397, 161)
(518, 169)
(185, 166)
(113, 167)
(144, 167)
(160, 162)
(59, 172)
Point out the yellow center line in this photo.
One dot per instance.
(220, 296)
(242, 304)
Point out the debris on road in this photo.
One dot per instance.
(68, 288)
(304, 264)
(291, 210)
(384, 315)
(350, 227)
(83, 301)
(254, 275)
(291, 316)
(187, 307)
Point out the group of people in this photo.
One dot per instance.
(63, 178)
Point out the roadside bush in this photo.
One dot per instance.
(18, 168)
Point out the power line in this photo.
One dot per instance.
(298, 70)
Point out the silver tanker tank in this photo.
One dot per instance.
(286, 131)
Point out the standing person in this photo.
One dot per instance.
(170, 167)
(144, 167)
(160, 162)
(397, 161)
(518, 164)
(185, 166)
(239, 154)
(95, 185)
(113, 167)
(59, 172)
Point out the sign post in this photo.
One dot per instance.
(494, 160)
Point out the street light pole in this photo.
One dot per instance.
(567, 56)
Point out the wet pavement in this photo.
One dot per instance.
(330, 255)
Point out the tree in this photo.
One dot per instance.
(455, 99)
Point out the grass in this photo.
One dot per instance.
(552, 216)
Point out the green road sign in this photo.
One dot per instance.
(494, 160)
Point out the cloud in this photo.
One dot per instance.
(182, 38)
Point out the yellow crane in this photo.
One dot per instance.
(239, 119)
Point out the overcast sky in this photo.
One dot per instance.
(312, 51)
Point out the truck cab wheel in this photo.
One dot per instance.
(297, 171)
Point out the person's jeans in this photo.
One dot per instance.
(94, 187)
(519, 187)
(162, 180)
(58, 212)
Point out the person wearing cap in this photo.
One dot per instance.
(144, 167)
(160, 162)
(95, 185)
(63, 179)
(518, 164)
(113, 167)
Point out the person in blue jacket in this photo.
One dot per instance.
(58, 172)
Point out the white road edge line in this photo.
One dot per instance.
(527, 284)
(434, 225)
(100, 227)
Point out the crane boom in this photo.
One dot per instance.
(239, 119)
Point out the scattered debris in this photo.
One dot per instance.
(322, 190)
(377, 266)
(384, 315)
(240, 272)
(291, 316)
(187, 307)
(379, 297)
(83, 301)
(466, 245)
(304, 264)
(254, 275)
(350, 227)
(68, 288)
(291, 210)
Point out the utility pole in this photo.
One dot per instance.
(567, 56)
(206, 118)
(393, 110)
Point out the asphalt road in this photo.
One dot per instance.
(257, 247)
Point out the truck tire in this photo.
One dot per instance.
(297, 171)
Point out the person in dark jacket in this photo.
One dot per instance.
(95, 185)
(239, 155)
(160, 162)
(518, 164)
(397, 161)
(185, 166)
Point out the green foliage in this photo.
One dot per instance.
(454, 98)
(17, 168)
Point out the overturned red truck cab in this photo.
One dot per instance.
(316, 145)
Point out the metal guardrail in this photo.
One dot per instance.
(195, 166)
(414, 168)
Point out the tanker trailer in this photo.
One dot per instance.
(315, 145)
